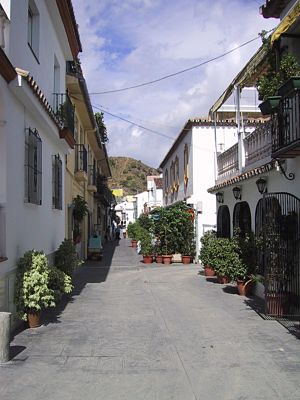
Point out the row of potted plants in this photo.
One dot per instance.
(231, 259)
(276, 81)
(39, 286)
(165, 232)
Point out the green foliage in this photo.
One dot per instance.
(207, 247)
(145, 222)
(131, 230)
(80, 209)
(225, 259)
(146, 242)
(60, 283)
(99, 117)
(247, 247)
(267, 85)
(66, 258)
(32, 292)
(175, 229)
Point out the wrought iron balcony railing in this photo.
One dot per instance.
(80, 158)
(64, 110)
(104, 194)
(286, 126)
(258, 144)
(228, 162)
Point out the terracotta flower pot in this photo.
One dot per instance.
(33, 318)
(209, 271)
(159, 259)
(147, 259)
(167, 259)
(133, 243)
(186, 259)
(244, 287)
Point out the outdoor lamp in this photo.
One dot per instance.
(237, 193)
(261, 184)
(220, 197)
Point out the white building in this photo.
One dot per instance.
(126, 211)
(39, 37)
(260, 191)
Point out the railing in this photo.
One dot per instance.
(92, 176)
(228, 162)
(258, 143)
(80, 158)
(64, 110)
(286, 124)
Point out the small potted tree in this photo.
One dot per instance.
(146, 246)
(32, 292)
(131, 231)
(207, 243)
(80, 210)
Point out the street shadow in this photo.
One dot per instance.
(212, 280)
(258, 305)
(14, 351)
(230, 289)
(90, 272)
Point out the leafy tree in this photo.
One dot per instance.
(99, 116)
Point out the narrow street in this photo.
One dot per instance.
(133, 331)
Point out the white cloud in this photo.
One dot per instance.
(135, 41)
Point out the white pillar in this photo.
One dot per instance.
(4, 336)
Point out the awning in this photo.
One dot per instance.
(287, 22)
(247, 77)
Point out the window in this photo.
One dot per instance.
(223, 222)
(242, 217)
(56, 182)
(166, 182)
(33, 29)
(33, 167)
(176, 173)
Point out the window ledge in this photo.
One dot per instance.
(3, 259)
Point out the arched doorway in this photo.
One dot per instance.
(277, 226)
(242, 217)
(223, 222)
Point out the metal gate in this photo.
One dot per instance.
(278, 231)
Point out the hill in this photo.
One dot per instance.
(129, 174)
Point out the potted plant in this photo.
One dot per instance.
(207, 243)
(225, 259)
(80, 210)
(60, 283)
(269, 85)
(146, 246)
(32, 292)
(65, 257)
(131, 231)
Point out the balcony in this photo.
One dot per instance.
(81, 163)
(92, 179)
(228, 163)
(103, 193)
(258, 144)
(286, 127)
(65, 113)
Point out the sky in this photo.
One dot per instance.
(131, 42)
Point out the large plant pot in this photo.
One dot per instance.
(133, 243)
(223, 279)
(186, 259)
(167, 259)
(209, 271)
(270, 104)
(277, 304)
(290, 85)
(147, 259)
(244, 287)
(159, 259)
(33, 318)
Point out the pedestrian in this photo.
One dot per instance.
(117, 232)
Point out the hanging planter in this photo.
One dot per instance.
(269, 105)
(290, 85)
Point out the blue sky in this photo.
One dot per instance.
(135, 41)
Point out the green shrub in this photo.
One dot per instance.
(225, 259)
(146, 242)
(32, 291)
(207, 241)
(60, 283)
(66, 258)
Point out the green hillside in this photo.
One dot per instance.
(129, 174)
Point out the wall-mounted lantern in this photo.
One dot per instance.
(220, 197)
(237, 192)
(261, 184)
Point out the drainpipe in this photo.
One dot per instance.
(241, 149)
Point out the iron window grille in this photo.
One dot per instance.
(57, 182)
(33, 167)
